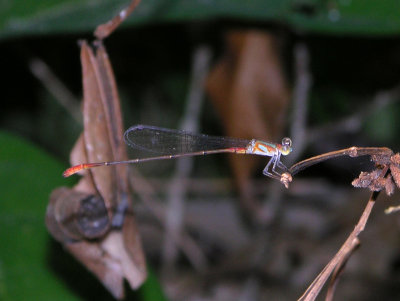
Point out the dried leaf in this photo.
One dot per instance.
(99, 206)
(100, 263)
(365, 179)
(389, 185)
(72, 215)
(96, 134)
(395, 159)
(104, 30)
(374, 181)
(395, 171)
(383, 159)
(249, 92)
(392, 209)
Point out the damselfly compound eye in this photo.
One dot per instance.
(287, 142)
(286, 146)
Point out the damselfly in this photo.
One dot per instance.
(170, 144)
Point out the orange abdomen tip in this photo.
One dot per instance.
(74, 169)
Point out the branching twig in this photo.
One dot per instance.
(385, 175)
(313, 290)
(339, 269)
(351, 152)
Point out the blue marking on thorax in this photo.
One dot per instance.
(264, 148)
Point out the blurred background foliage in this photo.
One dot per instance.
(354, 49)
(346, 17)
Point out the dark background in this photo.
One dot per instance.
(352, 58)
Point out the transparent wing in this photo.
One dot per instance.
(169, 142)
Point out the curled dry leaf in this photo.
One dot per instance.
(365, 179)
(94, 220)
(73, 215)
(374, 181)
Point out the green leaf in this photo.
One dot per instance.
(19, 17)
(363, 17)
(151, 290)
(368, 17)
(382, 125)
(32, 265)
(27, 176)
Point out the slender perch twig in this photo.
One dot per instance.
(351, 152)
(387, 169)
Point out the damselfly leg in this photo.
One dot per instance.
(276, 162)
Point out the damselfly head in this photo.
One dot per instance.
(286, 146)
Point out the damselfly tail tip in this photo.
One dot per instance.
(77, 168)
(72, 170)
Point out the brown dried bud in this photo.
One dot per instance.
(389, 185)
(395, 159)
(395, 171)
(374, 181)
(378, 184)
(381, 159)
(365, 179)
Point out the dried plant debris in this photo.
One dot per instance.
(94, 220)
(366, 178)
(374, 181)
(389, 185)
(380, 179)
(395, 168)
(392, 209)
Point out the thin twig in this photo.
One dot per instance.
(147, 194)
(339, 270)
(301, 91)
(55, 86)
(313, 290)
(351, 151)
(177, 190)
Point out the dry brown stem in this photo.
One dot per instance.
(342, 255)
(104, 30)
